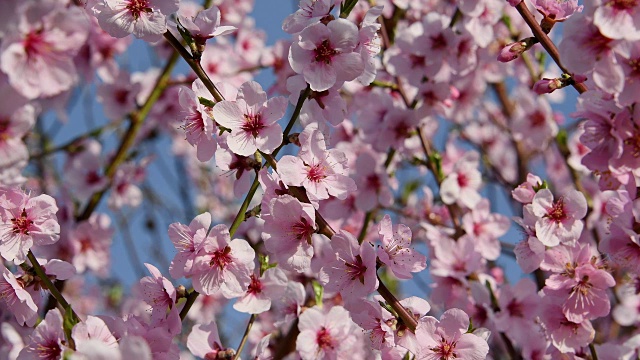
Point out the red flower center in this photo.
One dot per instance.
(221, 258)
(556, 212)
(302, 230)
(252, 124)
(136, 7)
(316, 173)
(22, 224)
(324, 52)
(324, 339)
(356, 269)
(255, 287)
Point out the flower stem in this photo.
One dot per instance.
(68, 311)
(245, 336)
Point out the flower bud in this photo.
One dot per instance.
(511, 51)
(547, 86)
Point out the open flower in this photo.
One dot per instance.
(448, 338)
(146, 19)
(252, 120)
(25, 221)
(559, 221)
(325, 54)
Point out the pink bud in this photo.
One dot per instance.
(547, 86)
(512, 51)
(514, 3)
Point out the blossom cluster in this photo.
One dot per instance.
(417, 181)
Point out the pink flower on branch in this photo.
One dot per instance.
(262, 291)
(16, 298)
(325, 54)
(46, 341)
(325, 334)
(205, 25)
(25, 221)
(252, 120)
(223, 264)
(396, 252)
(146, 19)
(157, 291)
(287, 232)
(198, 124)
(449, 338)
(559, 221)
(353, 270)
(323, 173)
(38, 57)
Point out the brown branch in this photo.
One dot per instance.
(545, 41)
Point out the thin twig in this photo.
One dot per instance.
(245, 336)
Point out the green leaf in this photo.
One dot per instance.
(318, 290)
(206, 102)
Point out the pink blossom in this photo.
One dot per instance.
(559, 221)
(240, 167)
(188, 240)
(290, 304)
(485, 228)
(146, 19)
(518, 308)
(309, 12)
(533, 122)
(287, 232)
(262, 291)
(17, 299)
(373, 182)
(125, 190)
(198, 122)
(375, 319)
(449, 338)
(320, 106)
(205, 24)
(38, 55)
(26, 221)
(203, 341)
(579, 281)
(547, 86)
(617, 19)
(353, 271)
(157, 291)
(629, 58)
(118, 97)
(14, 125)
(396, 251)
(512, 51)
(158, 333)
(46, 341)
(89, 244)
(325, 334)
(321, 172)
(223, 264)
(83, 170)
(93, 329)
(455, 259)
(370, 44)
(586, 50)
(325, 54)
(565, 335)
(462, 184)
(480, 18)
(252, 120)
(557, 10)
(525, 192)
